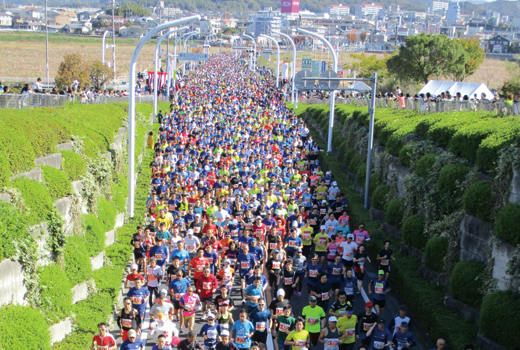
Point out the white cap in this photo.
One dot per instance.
(211, 315)
(322, 227)
(224, 333)
(190, 231)
(280, 292)
(333, 319)
(227, 261)
(334, 183)
(134, 267)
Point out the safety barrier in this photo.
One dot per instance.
(42, 100)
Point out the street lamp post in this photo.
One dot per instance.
(46, 45)
(333, 93)
(131, 105)
(175, 59)
(156, 63)
(253, 61)
(293, 92)
(277, 57)
(184, 48)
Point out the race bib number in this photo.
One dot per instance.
(196, 229)
(312, 321)
(323, 211)
(259, 231)
(349, 290)
(249, 225)
(212, 334)
(336, 270)
(137, 300)
(313, 273)
(131, 284)
(385, 262)
(127, 323)
(276, 265)
(152, 277)
(260, 327)
(200, 268)
(293, 244)
(244, 265)
(306, 236)
(332, 343)
(348, 255)
(206, 285)
(339, 209)
(325, 296)
(367, 326)
(349, 332)
(322, 240)
(191, 248)
(379, 345)
(284, 327)
(273, 245)
(158, 256)
(288, 280)
(379, 287)
(331, 229)
(313, 221)
(300, 344)
(241, 339)
(279, 311)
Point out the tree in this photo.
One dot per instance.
(99, 74)
(352, 38)
(72, 68)
(369, 64)
(363, 37)
(475, 56)
(426, 56)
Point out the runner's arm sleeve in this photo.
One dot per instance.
(119, 319)
(137, 319)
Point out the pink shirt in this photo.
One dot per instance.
(360, 237)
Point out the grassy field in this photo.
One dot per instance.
(24, 56)
(24, 53)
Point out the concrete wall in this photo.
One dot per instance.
(502, 253)
(40, 233)
(60, 330)
(54, 160)
(514, 196)
(98, 261)
(474, 243)
(79, 292)
(35, 174)
(12, 287)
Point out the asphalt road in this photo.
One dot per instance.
(297, 303)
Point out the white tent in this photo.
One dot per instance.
(436, 87)
(359, 85)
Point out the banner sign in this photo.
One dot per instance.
(193, 57)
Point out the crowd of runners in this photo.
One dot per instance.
(240, 206)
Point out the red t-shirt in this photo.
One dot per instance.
(106, 342)
(259, 231)
(206, 285)
(199, 264)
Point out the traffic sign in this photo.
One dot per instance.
(329, 65)
(303, 84)
(323, 66)
(268, 51)
(316, 68)
(329, 84)
(193, 57)
(307, 63)
(193, 45)
(239, 48)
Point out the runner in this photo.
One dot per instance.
(313, 272)
(329, 335)
(348, 248)
(245, 263)
(283, 325)
(103, 340)
(178, 288)
(139, 296)
(349, 286)
(403, 338)
(289, 279)
(347, 325)
(163, 306)
(381, 287)
(188, 303)
(225, 344)
(153, 275)
(206, 286)
(130, 278)
(313, 315)
(384, 257)
(209, 332)
(299, 338)
(243, 330)
(163, 326)
(128, 318)
(380, 337)
(197, 265)
(366, 320)
(263, 323)
(335, 271)
(395, 324)
(300, 264)
(360, 258)
(132, 343)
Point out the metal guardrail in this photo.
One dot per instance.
(498, 107)
(18, 101)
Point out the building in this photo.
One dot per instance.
(265, 21)
(435, 6)
(368, 10)
(453, 13)
(209, 27)
(6, 20)
(498, 44)
(290, 6)
(82, 28)
(337, 10)
(133, 32)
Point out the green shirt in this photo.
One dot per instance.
(285, 326)
(313, 316)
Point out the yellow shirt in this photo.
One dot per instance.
(348, 325)
(321, 240)
(300, 338)
(322, 192)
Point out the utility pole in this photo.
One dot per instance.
(46, 45)
(113, 39)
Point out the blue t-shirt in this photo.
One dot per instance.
(260, 321)
(379, 288)
(179, 286)
(379, 338)
(293, 243)
(245, 263)
(400, 339)
(160, 253)
(253, 291)
(335, 272)
(242, 330)
(212, 258)
(313, 273)
(182, 254)
(349, 285)
(136, 345)
(263, 280)
(211, 332)
(138, 296)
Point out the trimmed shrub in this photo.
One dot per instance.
(57, 182)
(343, 148)
(435, 252)
(413, 231)
(23, 328)
(374, 182)
(94, 234)
(106, 213)
(497, 315)
(349, 155)
(424, 164)
(119, 193)
(73, 165)
(77, 260)
(12, 228)
(379, 197)
(506, 225)
(37, 199)
(361, 174)
(404, 155)
(355, 163)
(477, 200)
(56, 293)
(450, 177)
(395, 212)
(465, 282)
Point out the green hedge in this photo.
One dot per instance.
(94, 234)
(450, 177)
(355, 163)
(57, 182)
(497, 318)
(466, 281)
(77, 260)
(395, 212)
(12, 228)
(351, 153)
(435, 252)
(375, 180)
(106, 213)
(425, 164)
(379, 197)
(37, 199)
(119, 193)
(477, 200)
(413, 231)
(506, 225)
(23, 328)
(5, 171)
(404, 154)
(361, 174)
(73, 165)
(56, 293)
